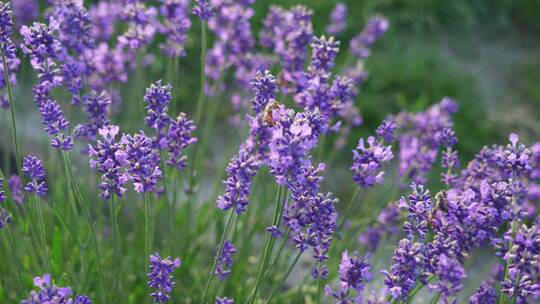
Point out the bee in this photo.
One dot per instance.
(268, 111)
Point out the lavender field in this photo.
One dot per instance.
(285, 151)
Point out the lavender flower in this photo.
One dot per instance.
(103, 16)
(485, 294)
(160, 277)
(25, 11)
(16, 189)
(353, 275)
(143, 163)
(522, 258)
(223, 269)
(224, 300)
(33, 169)
(451, 274)
(109, 159)
(178, 138)
(419, 206)
(97, 107)
(289, 33)
(175, 27)
(74, 26)
(9, 52)
(3, 196)
(361, 43)
(141, 29)
(515, 160)
(49, 293)
(264, 89)
(338, 19)
(157, 98)
(240, 173)
(55, 124)
(408, 259)
(368, 160)
(387, 128)
(40, 43)
(203, 10)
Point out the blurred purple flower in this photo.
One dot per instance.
(16, 189)
(338, 19)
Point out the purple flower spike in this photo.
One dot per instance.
(353, 275)
(33, 169)
(224, 300)
(3, 196)
(203, 10)
(160, 277)
(240, 173)
(361, 43)
(157, 99)
(16, 189)
(10, 52)
(368, 160)
(264, 89)
(338, 19)
(485, 294)
(451, 274)
(143, 166)
(178, 138)
(223, 269)
(109, 158)
(49, 293)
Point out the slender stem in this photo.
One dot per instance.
(200, 103)
(147, 227)
(220, 252)
(319, 283)
(42, 234)
(268, 247)
(115, 246)
(280, 250)
(418, 288)
(435, 298)
(11, 245)
(348, 210)
(284, 277)
(12, 111)
(502, 296)
(86, 212)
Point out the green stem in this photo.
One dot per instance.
(200, 103)
(284, 277)
(147, 227)
(42, 234)
(435, 298)
(86, 212)
(319, 284)
(11, 245)
(348, 210)
(12, 111)
(268, 247)
(115, 247)
(418, 287)
(220, 252)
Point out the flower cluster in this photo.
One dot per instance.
(368, 160)
(175, 26)
(160, 277)
(353, 275)
(223, 268)
(16, 189)
(9, 55)
(338, 18)
(50, 293)
(33, 168)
